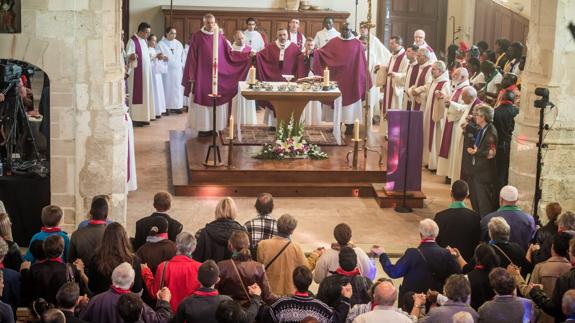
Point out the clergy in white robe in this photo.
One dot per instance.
(391, 75)
(254, 38)
(446, 157)
(312, 114)
(458, 112)
(172, 48)
(373, 62)
(418, 92)
(326, 34)
(131, 178)
(159, 67)
(408, 79)
(419, 40)
(437, 92)
(141, 100)
(380, 52)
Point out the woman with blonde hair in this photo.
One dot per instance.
(13, 258)
(213, 238)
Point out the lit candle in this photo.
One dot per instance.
(326, 77)
(216, 39)
(252, 75)
(356, 130)
(231, 134)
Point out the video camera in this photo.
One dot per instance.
(12, 72)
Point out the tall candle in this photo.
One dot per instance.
(216, 39)
(231, 134)
(356, 130)
(252, 75)
(326, 77)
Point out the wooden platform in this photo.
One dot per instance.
(390, 200)
(250, 176)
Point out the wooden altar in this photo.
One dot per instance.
(188, 19)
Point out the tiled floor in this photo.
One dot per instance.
(317, 216)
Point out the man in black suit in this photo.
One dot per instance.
(484, 172)
(459, 226)
(68, 297)
(162, 204)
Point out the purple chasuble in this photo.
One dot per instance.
(346, 62)
(303, 65)
(268, 64)
(448, 129)
(137, 87)
(232, 66)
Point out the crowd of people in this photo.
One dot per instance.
(467, 268)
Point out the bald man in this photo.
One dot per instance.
(384, 298)
(459, 81)
(239, 44)
(419, 40)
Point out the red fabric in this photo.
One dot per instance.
(162, 235)
(395, 68)
(51, 230)
(352, 273)
(200, 293)
(299, 41)
(463, 47)
(427, 240)
(445, 147)
(438, 87)
(119, 290)
(59, 259)
(1, 265)
(479, 267)
(306, 294)
(181, 278)
(97, 222)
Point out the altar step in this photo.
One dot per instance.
(387, 199)
(299, 189)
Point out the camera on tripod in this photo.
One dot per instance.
(543, 102)
(12, 73)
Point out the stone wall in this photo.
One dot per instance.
(76, 43)
(550, 64)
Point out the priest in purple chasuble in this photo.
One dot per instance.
(276, 59)
(197, 79)
(345, 58)
(141, 97)
(446, 159)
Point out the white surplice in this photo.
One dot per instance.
(431, 155)
(172, 80)
(445, 165)
(324, 35)
(132, 179)
(255, 40)
(457, 113)
(143, 112)
(159, 68)
(433, 57)
(405, 79)
(185, 98)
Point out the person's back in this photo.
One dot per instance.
(199, 307)
(162, 204)
(85, 240)
(522, 225)
(51, 217)
(507, 309)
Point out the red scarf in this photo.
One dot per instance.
(306, 294)
(59, 259)
(1, 265)
(202, 293)
(427, 240)
(119, 290)
(162, 235)
(479, 267)
(97, 222)
(51, 230)
(352, 273)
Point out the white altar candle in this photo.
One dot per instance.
(231, 134)
(326, 77)
(216, 39)
(356, 130)
(252, 75)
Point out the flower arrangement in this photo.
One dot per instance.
(290, 144)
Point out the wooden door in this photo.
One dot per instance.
(403, 17)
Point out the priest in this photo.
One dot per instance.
(140, 80)
(197, 79)
(410, 76)
(253, 37)
(239, 44)
(131, 178)
(345, 58)
(173, 50)
(326, 34)
(380, 53)
(294, 35)
(419, 40)
(244, 109)
(417, 92)
(449, 137)
(312, 112)
(393, 70)
(276, 59)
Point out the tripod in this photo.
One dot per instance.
(14, 151)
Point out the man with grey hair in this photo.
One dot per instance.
(415, 92)
(384, 311)
(568, 305)
(483, 172)
(102, 307)
(179, 274)
(422, 268)
(419, 40)
(510, 253)
(565, 223)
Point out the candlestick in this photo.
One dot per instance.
(252, 76)
(356, 130)
(216, 39)
(326, 77)
(231, 134)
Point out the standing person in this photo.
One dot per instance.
(501, 52)
(345, 58)
(197, 79)
(326, 34)
(213, 238)
(417, 91)
(162, 205)
(68, 299)
(159, 68)
(141, 100)
(173, 50)
(515, 53)
(13, 258)
(459, 226)
(377, 49)
(51, 217)
(492, 80)
(295, 36)
(394, 69)
(504, 122)
(419, 40)
(382, 309)
(458, 292)
(85, 240)
(158, 248)
(483, 160)
(239, 44)
(409, 77)
(264, 225)
(253, 37)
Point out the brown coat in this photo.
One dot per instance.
(280, 272)
(251, 272)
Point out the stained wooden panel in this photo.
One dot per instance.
(493, 21)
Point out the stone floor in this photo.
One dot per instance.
(317, 216)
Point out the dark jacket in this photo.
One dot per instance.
(423, 268)
(13, 258)
(213, 240)
(459, 228)
(329, 290)
(44, 279)
(551, 304)
(544, 237)
(100, 282)
(11, 294)
(84, 241)
(481, 291)
(70, 318)
(481, 165)
(251, 272)
(504, 122)
(522, 225)
(507, 251)
(144, 225)
(153, 253)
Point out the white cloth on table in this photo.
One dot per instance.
(172, 80)
(200, 117)
(159, 68)
(143, 112)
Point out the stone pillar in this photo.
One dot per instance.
(550, 64)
